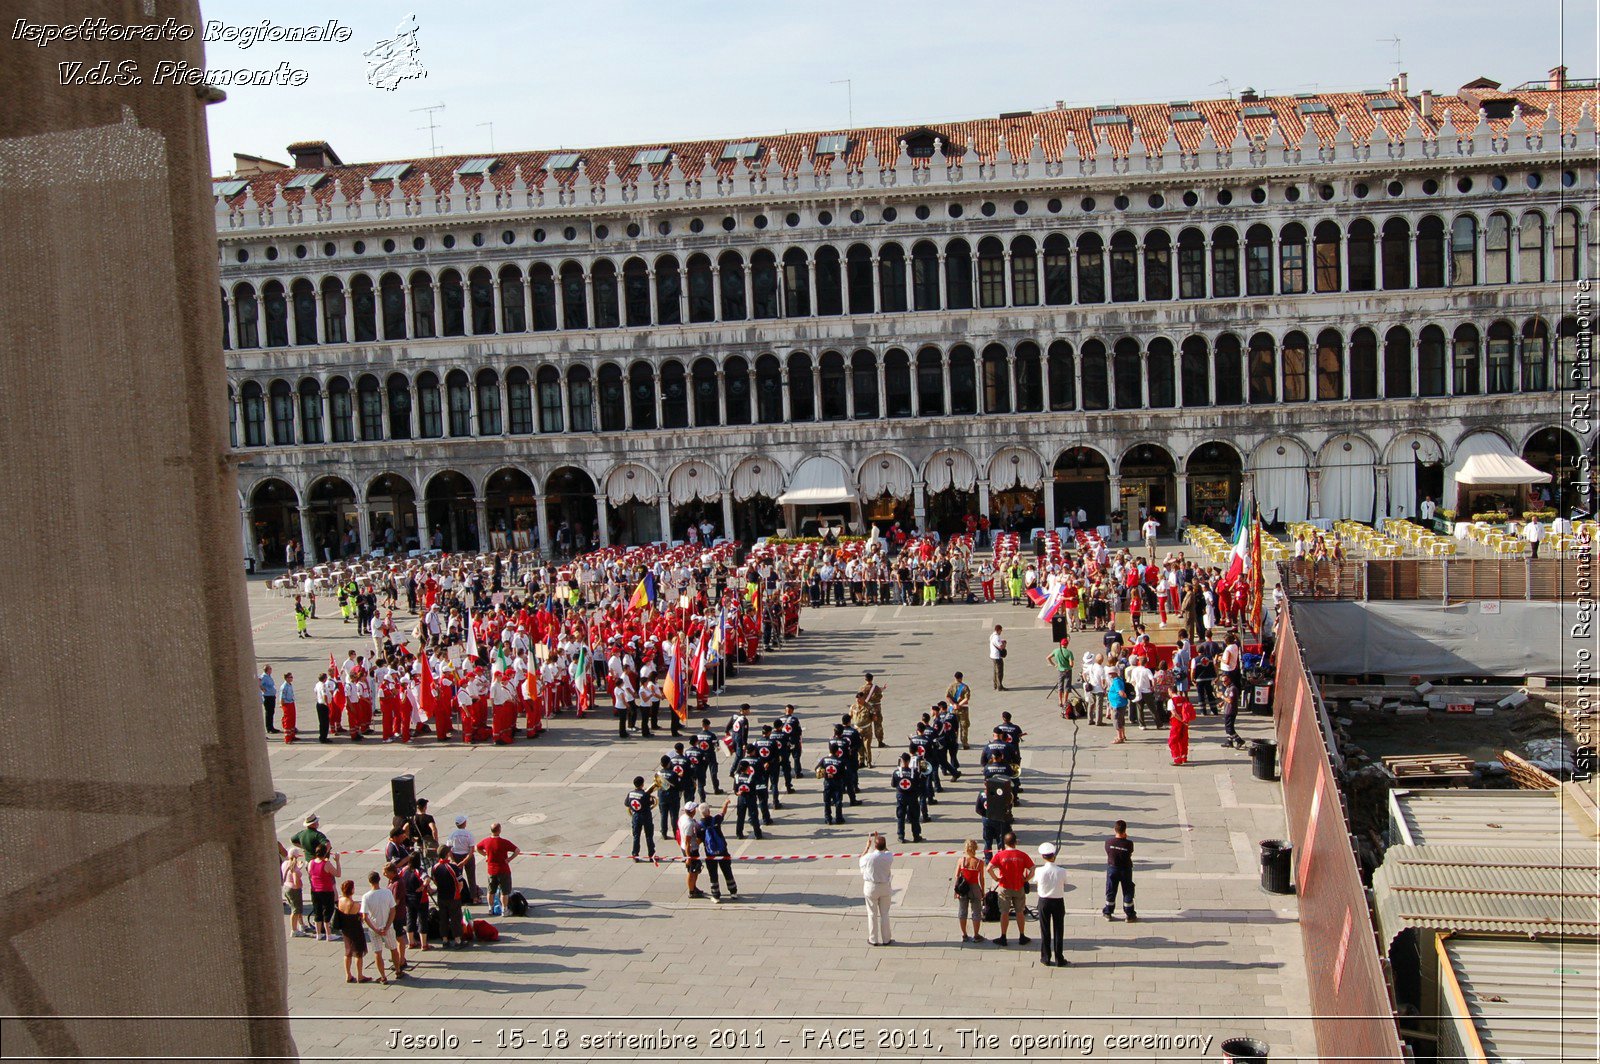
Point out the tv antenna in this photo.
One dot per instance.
(431, 127)
(1227, 86)
(491, 133)
(849, 99)
(1396, 42)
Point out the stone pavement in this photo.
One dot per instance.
(614, 951)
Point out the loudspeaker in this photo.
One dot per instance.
(1058, 627)
(404, 791)
(1000, 793)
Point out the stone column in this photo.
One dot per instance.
(919, 505)
(1116, 501)
(656, 376)
(1006, 298)
(308, 538)
(602, 521)
(1182, 501)
(542, 516)
(944, 284)
(1314, 481)
(481, 506)
(425, 523)
(883, 395)
(1344, 260)
(665, 510)
(228, 322)
(1144, 380)
(1049, 494)
(722, 397)
(407, 328)
(783, 371)
(944, 373)
(727, 514)
(983, 496)
(248, 533)
(495, 297)
(318, 328)
(849, 392)
(1413, 247)
(716, 291)
(327, 410)
(1138, 270)
(811, 284)
(363, 527)
(916, 387)
(588, 300)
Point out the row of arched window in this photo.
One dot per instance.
(1152, 266)
(1227, 370)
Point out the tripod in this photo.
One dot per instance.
(1065, 695)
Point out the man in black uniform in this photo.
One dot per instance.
(853, 743)
(697, 769)
(946, 729)
(925, 796)
(1013, 737)
(668, 795)
(739, 731)
(638, 803)
(921, 746)
(789, 724)
(996, 819)
(830, 769)
(706, 740)
(781, 743)
(906, 785)
(839, 747)
(765, 750)
(997, 762)
(752, 802)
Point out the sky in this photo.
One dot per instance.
(535, 75)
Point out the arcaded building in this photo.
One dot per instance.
(1330, 299)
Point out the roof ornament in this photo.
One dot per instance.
(517, 195)
(1520, 135)
(1206, 146)
(1344, 144)
(899, 171)
(954, 163)
(1412, 147)
(806, 171)
(1277, 145)
(249, 209)
(338, 203)
(611, 184)
(1036, 153)
(1171, 157)
(1310, 145)
(1482, 136)
(1239, 147)
(1583, 134)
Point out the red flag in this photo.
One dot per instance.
(425, 699)
(702, 675)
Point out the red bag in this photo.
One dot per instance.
(483, 931)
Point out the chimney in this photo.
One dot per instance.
(1401, 82)
(1425, 104)
(313, 155)
(1558, 79)
(1248, 95)
(1394, 84)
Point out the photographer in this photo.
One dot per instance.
(876, 863)
(1064, 661)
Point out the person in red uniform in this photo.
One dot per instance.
(503, 698)
(1178, 728)
(389, 706)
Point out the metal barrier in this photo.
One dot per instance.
(1442, 580)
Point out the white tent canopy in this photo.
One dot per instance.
(818, 482)
(1499, 469)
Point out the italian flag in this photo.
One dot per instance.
(1238, 565)
(581, 679)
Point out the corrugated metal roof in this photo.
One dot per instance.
(1444, 817)
(1536, 891)
(1530, 1000)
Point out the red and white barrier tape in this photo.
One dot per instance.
(747, 857)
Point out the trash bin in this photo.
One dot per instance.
(1261, 700)
(1264, 759)
(1275, 857)
(1245, 1050)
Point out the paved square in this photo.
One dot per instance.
(613, 950)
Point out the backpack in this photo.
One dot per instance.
(991, 906)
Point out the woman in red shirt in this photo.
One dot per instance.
(969, 870)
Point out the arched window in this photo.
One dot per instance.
(1195, 372)
(764, 284)
(1127, 375)
(452, 304)
(892, 279)
(1157, 265)
(1566, 245)
(1396, 254)
(1502, 375)
(392, 306)
(1230, 370)
(958, 274)
(830, 290)
(333, 311)
(421, 305)
(930, 382)
(1363, 256)
(364, 308)
(489, 423)
(730, 277)
(369, 405)
(1263, 369)
(1330, 365)
(603, 276)
(996, 380)
(613, 399)
(1567, 368)
(254, 414)
(580, 399)
(1124, 268)
(1292, 259)
(736, 382)
(864, 383)
(542, 292)
(1057, 270)
(963, 380)
(310, 411)
(835, 387)
(1063, 377)
(430, 409)
(1430, 253)
(341, 411)
(1535, 356)
(1363, 364)
(480, 293)
(574, 301)
(1465, 361)
(519, 399)
(669, 292)
(642, 395)
(1161, 383)
(703, 380)
(1497, 250)
(674, 395)
(458, 398)
(858, 277)
(925, 276)
(1431, 362)
(1191, 264)
(399, 406)
(635, 293)
(897, 383)
(1028, 374)
(1530, 248)
(1224, 262)
(549, 384)
(769, 390)
(1258, 261)
(1024, 272)
(227, 341)
(304, 297)
(1325, 256)
(1464, 250)
(282, 401)
(1091, 269)
(802, 390)
(702, 290)
(275, 308)
(796, 284)
(1096, 382)
(513, 302)
(1296, 371)
(1397, 363)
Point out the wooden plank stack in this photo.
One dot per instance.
(1436, 770)
(1525, 774)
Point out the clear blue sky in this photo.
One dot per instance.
(624, 71)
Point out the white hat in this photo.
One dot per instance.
(461, 821)
(1047, 849)
(690, 807)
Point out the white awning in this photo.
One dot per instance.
(886, 474)
(756, 476)
(693, 480)
(818, 482)
(631, 481)
(1499, 469)
(951, 469)
(1016, 467)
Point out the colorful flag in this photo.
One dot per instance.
(1052, 602)
(425, 699)
(1238, 566)
(702, 664)
(580, 678)
(1036, 596)
(674, 692)
(1256, 584)
(645, 594)
(472, 640)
